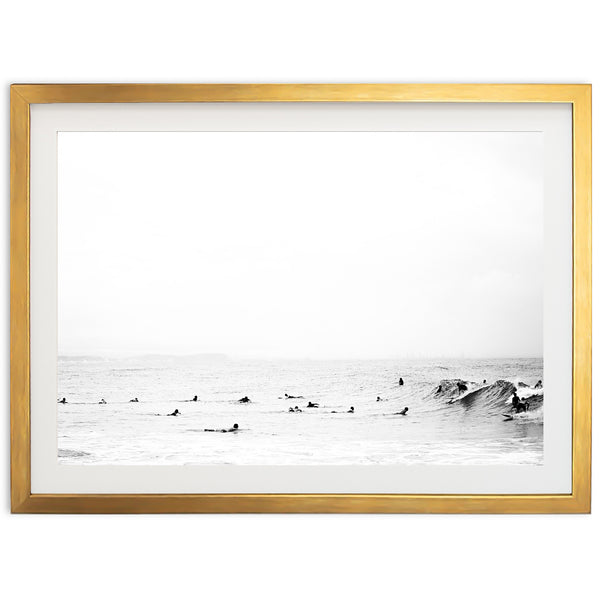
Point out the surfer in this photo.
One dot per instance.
(293, 397)
(244, 400)
(518, 404)
(515, 400)
(312, 405)
(134, 400)
(174, 413)
(403, 411)
(462, 387)
(296, 409)
(233, 429)
(290, 409)
(401, 381)
(103, 401)
(63, 401)
(538, 385)
(485, 381)
(351, 409)
(379, 399)
(195, 399)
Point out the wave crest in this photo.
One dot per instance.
(494, 396)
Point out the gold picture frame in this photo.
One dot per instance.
(23, 501)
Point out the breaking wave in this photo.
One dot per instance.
(497, 395)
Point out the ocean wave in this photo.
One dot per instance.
(494, 396)
(453, 389)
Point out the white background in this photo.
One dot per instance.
(464, 556)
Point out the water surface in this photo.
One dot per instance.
(468, 431)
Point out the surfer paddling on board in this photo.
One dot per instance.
(233, 429)
(403, 411)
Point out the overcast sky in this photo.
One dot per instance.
(301, 244)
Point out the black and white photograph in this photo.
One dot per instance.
(300, 298)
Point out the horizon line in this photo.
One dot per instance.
(224, 356)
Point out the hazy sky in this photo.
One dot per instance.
(301, 244)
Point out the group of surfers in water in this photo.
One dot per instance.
(297, 409)
(519, 405)
(246, 400)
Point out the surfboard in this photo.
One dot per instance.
(508, 417)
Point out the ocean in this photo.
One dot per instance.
(445, 423)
